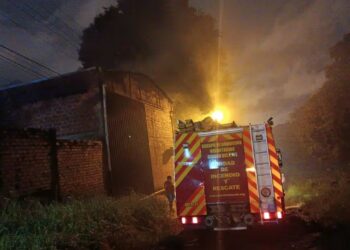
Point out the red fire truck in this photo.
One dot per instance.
(227, 177)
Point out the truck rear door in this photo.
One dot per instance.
(224, 167)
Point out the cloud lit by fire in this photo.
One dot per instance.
(276, 52)
(273, 50)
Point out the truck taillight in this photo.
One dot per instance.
(183, 220)
(195, 220)
(266, 215)
(279, 215)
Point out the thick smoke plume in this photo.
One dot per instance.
(170, 41)
(274, 50)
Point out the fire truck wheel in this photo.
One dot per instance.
(248, 219)
(209, 221)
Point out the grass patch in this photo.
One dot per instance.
(324, 199)
(96, 223)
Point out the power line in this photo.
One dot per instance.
(19, 7)
(29, 59)
(20, 26)
(13, 74)
(22, 66)
(5, 79)
(11, 20)
(29, 6)
(76, 28)
(48, 8)
(55, 26)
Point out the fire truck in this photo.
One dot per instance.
(227, 177)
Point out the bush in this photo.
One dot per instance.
(324, 199)
(124, 223)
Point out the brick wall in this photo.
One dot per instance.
(24, 161)
(160, 134)
(27, 160)
(71, 104)
(80, 167)
(75, 116)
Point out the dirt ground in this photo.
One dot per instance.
(294, 233)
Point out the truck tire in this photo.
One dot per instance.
(248, 219)
(210, 221)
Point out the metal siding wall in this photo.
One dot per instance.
(129, 146)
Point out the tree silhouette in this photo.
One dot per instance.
(323, 122)
(168, 40)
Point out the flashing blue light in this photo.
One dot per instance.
(187, 153)
(214, 164)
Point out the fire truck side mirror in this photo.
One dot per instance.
(279, 155)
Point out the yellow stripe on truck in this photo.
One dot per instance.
(195, 199)
(275, 171)
(199, 208)
(178, 154)
(183, 175)
(250, 169)
(179, 141)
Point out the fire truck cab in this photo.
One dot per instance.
(227, 177)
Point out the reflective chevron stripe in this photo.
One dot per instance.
(195, 204)
(251, 173)
(187, 153)
(275, 169)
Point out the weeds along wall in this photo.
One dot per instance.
(33, 162)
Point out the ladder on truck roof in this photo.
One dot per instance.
(263, 168)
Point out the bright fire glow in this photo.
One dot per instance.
(217, 115)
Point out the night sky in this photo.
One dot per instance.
(276, 50)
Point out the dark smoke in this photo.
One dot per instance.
(168, 40)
